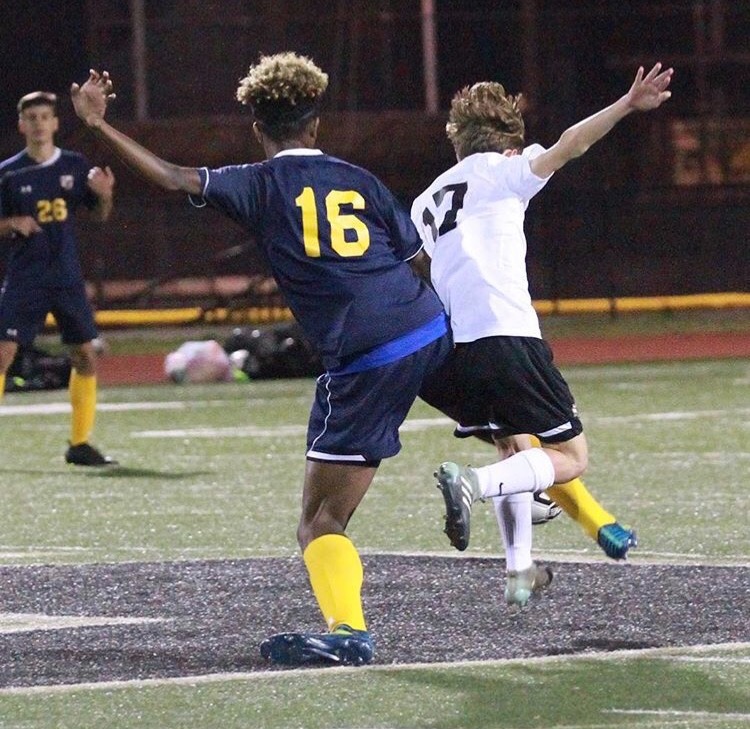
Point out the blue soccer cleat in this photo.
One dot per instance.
(343, 647)
(615, 540)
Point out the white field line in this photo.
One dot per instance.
(209, 678)
(589, 556)
(245, 431)
(414, 424)
(570, 556)
(669, 416)
(58, 408)
(420, 424)
(28, 622)
(695, 659)
(680, 714)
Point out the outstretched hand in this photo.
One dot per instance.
(101, 181)
(650, 91)
(90, 100)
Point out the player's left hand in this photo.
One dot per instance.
(101, 181)
(650, 91)
(90, 100)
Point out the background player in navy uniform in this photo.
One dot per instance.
(338, 245)
(40, 189)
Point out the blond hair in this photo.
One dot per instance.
(483, 118)
(283, 91)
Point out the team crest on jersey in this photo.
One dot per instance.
(66, 182)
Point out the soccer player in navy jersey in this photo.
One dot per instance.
(40, 189)
(340, 248)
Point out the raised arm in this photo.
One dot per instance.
(647, 92)
(90, 103)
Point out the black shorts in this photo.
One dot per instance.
(504, 386)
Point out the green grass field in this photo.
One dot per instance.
(210, 472)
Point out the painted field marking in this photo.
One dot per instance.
(59, 408)
(275, 675)
(193, 554)
(660, 417)
(245, 431)
(690, 659)
(416, 425)
(681, 714)
(28, 622)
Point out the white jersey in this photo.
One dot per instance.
(471, 221)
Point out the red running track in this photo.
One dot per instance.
(148, 369)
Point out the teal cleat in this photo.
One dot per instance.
(343, 647)
(615, 540)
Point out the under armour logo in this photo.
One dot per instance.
(13, 333)
(25, 189)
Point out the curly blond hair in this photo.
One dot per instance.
(484, 118)
(283, 91)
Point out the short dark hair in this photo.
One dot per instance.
(37, 98)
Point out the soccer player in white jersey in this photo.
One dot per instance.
(503, 380)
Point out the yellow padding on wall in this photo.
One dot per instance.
(270, 314)
(728, 300)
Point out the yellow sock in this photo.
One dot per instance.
(336, 575)
(2, 385)
(82, 390)
(578, 503)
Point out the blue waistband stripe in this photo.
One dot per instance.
(397, 348)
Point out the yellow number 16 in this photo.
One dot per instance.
(339, 222)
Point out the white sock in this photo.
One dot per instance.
(530, 470)
(514, 519)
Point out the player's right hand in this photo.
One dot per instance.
(24, 225)
(650, 91)
(90, 100)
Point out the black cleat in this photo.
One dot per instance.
(84, 454)
(344, 647)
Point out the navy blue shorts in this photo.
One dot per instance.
(504, 386)
(23, 311)
(355, 417)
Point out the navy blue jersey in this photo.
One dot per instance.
(337, 243)
(49, 192)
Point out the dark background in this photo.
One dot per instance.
(659, 207)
